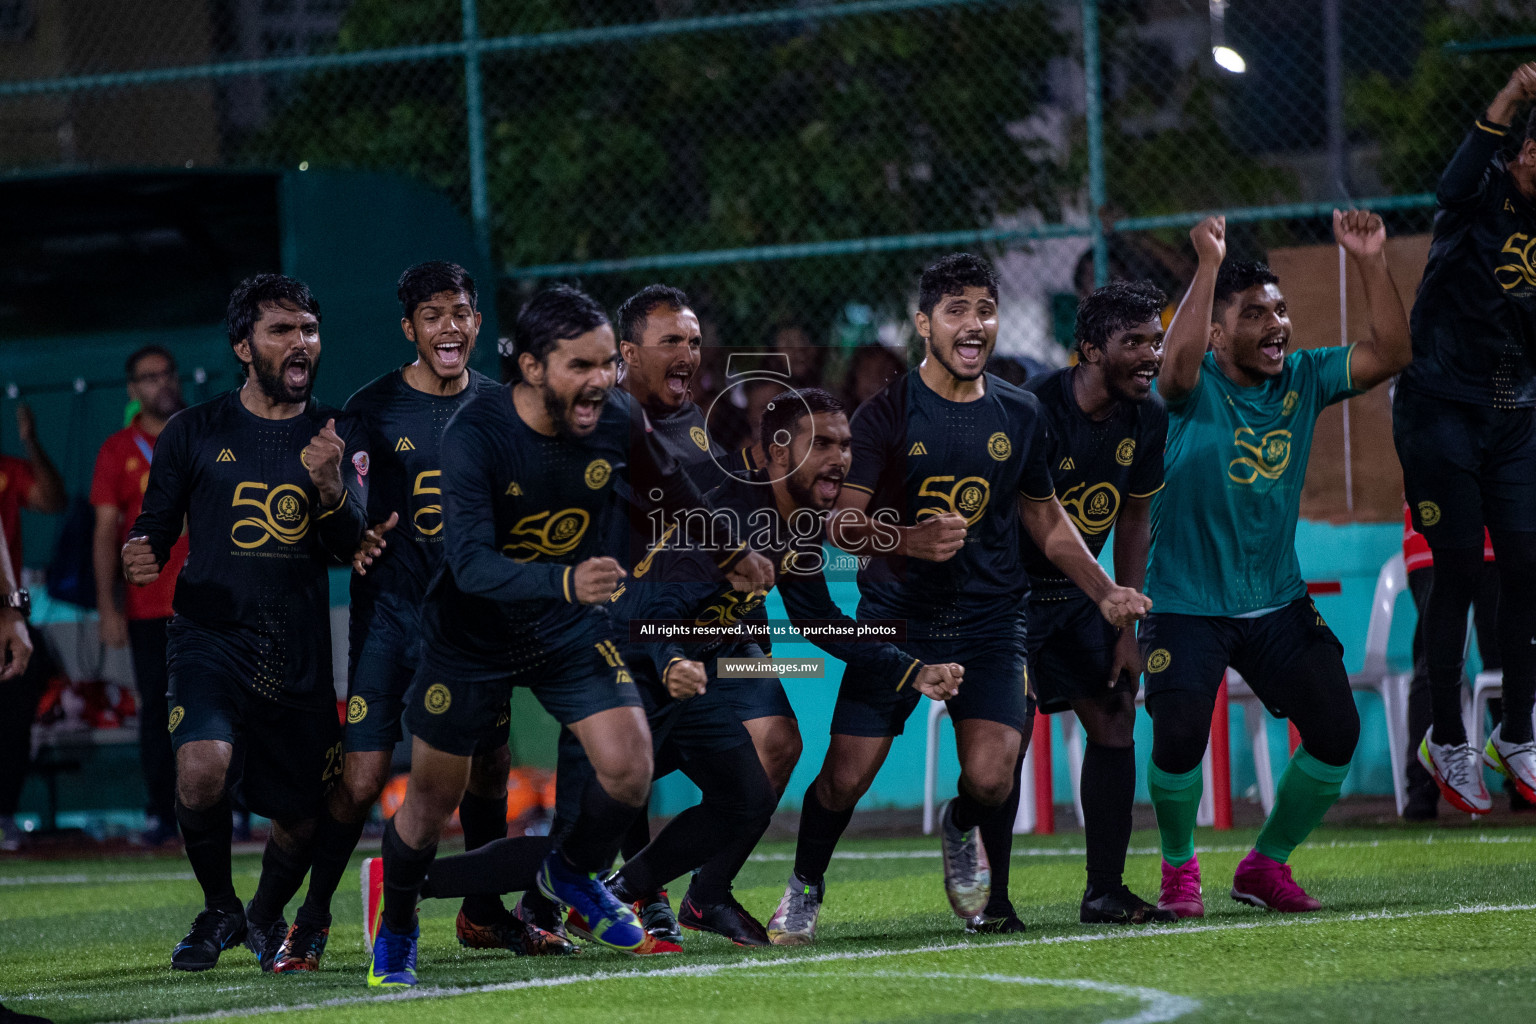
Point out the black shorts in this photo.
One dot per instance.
(1465, 467)
(751, 698)
(1071, 651)
(996, 687)
(382, 657)
(705, 724)
(1192, 652)
(286, 754)
(459, 705)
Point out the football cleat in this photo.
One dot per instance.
(1458, 772)
(372, 876)
(650, 945)
(1263, 882)
(656, 916)
(213, 931)
(1515, 761)
(1181, 892)
(301, 949)
(729, 919)
(1121, 906)
(264, 939)
(967, 874)
(545, 917)
(982, 924)
(794, 920)
(393, 964)
(512, 933)
(603, 918)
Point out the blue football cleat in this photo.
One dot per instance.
(607, 920)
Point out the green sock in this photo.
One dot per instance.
(1307, 789)
(1177, 800)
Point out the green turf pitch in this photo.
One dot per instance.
(1420, 925)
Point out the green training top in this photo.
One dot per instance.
(1224, 527)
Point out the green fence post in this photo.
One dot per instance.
(474, 113)
(1097, 193)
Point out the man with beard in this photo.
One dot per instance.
(1223, 572)
(1107, 434)
(139, 619)
(401, 417)
(528, 475)
(260, 479)
(952, 456)
(660, 342)
(1462, 421)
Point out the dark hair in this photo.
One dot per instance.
(952, 275)
(1238, 276)
(558, 311)
(250, 295)
(131, 364)
(1115, 307)
(639, 306)
(420, 282)
(787, 407)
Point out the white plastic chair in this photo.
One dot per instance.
(1023, 822)
(1376, 677)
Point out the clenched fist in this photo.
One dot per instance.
(596, 579)
(1210, 238)
(684, 679)
(936, 539)
(139, 565)
(940, 682)
(1123, 606)
(322, 457)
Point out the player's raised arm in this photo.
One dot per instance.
(1465, 180)
(1389, 347)
(342, 517)
(1189, 334)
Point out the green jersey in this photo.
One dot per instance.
(1224, 527)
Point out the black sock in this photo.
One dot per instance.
(1108, 789)
(965, 812)
(484, 820)
(207, 835)
(282, 872)
(820, 829)
(506, 865)
(1445, 702)
(593, 839)
(540, 909)
(997, 840)
(638, 836)
(404, 870)
(334, 843)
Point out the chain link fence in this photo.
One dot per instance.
(793, 165)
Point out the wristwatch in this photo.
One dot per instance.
(18, 599)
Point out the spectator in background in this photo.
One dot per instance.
(30, 483)
(136, 617)
(807, 361)
(870, 368)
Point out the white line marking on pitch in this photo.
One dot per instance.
(777, 858)
(704, 970)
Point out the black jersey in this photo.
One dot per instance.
(677, 582)
(259, 542)
(1474, 321)
(684, 437)
(403, 428)
(523, 509)
(920, 455)
(1097, 465)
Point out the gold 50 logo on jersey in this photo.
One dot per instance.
(1518, 271)
(1094, 508)
(428, 519)
(282, 514)
(547, 533)
(965, 497)
(1267, 456)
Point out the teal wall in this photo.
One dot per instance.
(1351, 555)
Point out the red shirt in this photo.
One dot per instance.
(16, 479)
(1416, 554)
(122, 474)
